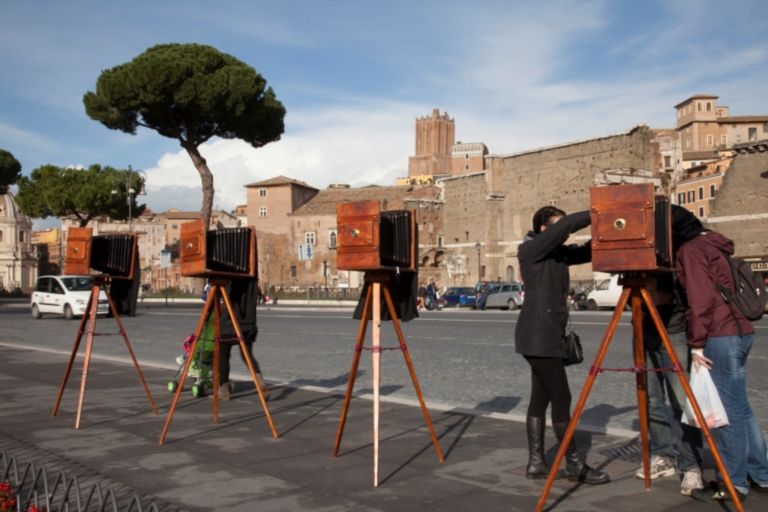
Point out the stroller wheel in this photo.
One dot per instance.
(198, 390)
(172, 385)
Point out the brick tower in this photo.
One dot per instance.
(435, 136)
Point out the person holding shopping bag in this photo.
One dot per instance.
(721, 337)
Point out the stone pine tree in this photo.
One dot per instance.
(80, 193)
(188, 92)
(10, 170)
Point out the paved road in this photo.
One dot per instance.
(464, 359)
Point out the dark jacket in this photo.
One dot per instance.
(700, 264)
(544, 262)
(244, 294)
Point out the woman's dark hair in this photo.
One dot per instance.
(542, 216)
(685, 226)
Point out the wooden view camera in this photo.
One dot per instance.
(631, 229)
(112, 255)
(227, 252)
(371, 239)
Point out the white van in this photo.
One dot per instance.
(65, 295)
(606, 294)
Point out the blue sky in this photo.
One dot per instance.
(354, 76)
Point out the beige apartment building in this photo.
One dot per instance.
(698, 189)
(705, 126)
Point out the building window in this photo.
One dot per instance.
(681, 198)
(263, 211)
(709, 106)
(667, 161)
(723, 139)
(710, 140)
(765, 128)
(174, 226)
(752, 134)
(691, 196)
(293, 271)
(21, 236)
(701, 193)
(698, 106)
(1, 235)
(466, 167)
(701, 211)
(309, 238)
(262, 192)
(711, 191)
(440, 240)
(332, 239)
(466, 156)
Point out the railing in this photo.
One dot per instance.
(37, 487)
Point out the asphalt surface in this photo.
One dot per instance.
(464, 359)
(236, 465)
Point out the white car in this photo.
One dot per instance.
(65, 295)
(606, 294)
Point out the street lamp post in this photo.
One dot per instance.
(477, 248)
(130, 194)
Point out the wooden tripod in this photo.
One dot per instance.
(99, 283)
(373, 300)
(216, 292)
(636, 290)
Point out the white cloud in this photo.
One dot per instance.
(359, 146)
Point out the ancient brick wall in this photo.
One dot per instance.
(740, 209)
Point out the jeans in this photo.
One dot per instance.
(741, 443)
(666, 432)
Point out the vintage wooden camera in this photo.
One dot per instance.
(372, 239)
(631, 229)
(227, 252)
(113, 255)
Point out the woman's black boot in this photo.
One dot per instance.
(537, 464)
(575, 468)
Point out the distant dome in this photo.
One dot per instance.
(8, 208)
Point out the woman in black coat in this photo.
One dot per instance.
(544, 261)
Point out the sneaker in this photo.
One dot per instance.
(661, 466)
(716, 494)
(224, 391)
(757, 487)
(691, 481)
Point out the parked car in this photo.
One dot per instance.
(65, 295)
(507, 296)
(459, 297)
(606, 294)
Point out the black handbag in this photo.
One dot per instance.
(574, 354)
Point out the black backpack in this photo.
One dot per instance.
(749, 296)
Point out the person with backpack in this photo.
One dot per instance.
(720, 337)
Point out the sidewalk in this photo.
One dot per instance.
(237, 466)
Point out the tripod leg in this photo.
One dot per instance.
(641, 381)
(585, 390)
(353, 371)
(216, 351)
(88, 349)
(187, 363)
(130, 351)
(376, 358)
(412, 371)
(695, 405)
(239, 334)
(75, 347)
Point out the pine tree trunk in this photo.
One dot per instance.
(207, 181)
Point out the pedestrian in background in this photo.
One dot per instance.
(544, 260)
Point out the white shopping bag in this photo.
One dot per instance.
(708, 398)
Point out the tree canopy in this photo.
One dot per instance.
(10, 170)
(82, 193)
(188, 92)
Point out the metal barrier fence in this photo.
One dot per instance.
(48, 490)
